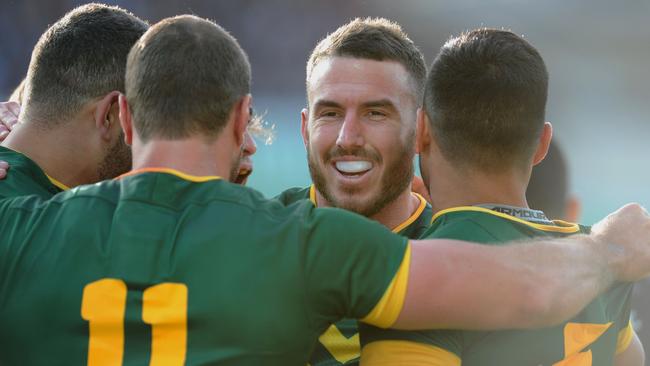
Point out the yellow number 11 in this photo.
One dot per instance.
(164, 307)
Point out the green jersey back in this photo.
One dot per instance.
(593, 337)
(339, 344)
(25, 177)
(190, 270)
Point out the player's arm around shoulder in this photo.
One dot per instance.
(433, 347)
(536, 283)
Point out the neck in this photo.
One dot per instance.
(57, 151)
(451, 187)
(191, 155)
(391, 215)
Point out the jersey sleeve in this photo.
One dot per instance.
(391, 347)
(353, 268)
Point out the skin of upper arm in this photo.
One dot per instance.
(459, 285)
(634, 354)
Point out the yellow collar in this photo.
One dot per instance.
(188, 177)
(562, 226)
(398, 228)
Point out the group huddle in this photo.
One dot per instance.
(129, 236)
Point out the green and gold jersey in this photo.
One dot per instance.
(339, 344)
(25, 177)
(159, 267)
(592, 338)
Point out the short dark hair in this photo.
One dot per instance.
(81, 57)
(376, 39)
(183, 77)
(548, 189)
(485, 98)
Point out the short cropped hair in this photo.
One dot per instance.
(81, 57)
(485, 97)
(375, 39)
(184, 77)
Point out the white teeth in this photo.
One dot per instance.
(353, 167)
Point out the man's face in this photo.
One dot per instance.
(359, 132)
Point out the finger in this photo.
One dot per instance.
(7, 118)
(4, 165)
(3, 174)
(3, 135)
(14, 108)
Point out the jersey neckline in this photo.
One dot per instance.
(559, 225)
(414, 216)
(184, 176)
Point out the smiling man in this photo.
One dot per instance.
(364, 84)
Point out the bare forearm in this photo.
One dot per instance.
(460, 285)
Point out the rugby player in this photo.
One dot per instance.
(482, 130)
(171, 263)
(71, 133)
(72, 106)
(364, 84)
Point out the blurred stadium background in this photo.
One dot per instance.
(597, 53)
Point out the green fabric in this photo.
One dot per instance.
(264, 280)
(323, 354)
(24, 177)
(293, 195)
(505, 348)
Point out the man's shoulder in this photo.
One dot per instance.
(24, 177)
(293, 195)
(488, 226)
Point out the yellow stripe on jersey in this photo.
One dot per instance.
(342, 348)
(58, 184)
(577, 337)
(382, 353)
(624, 338)
(385, 313)
(188, 177)
(414, 216)
(312, 195)
(562, 226)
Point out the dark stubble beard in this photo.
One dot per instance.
(395, 179)
(117, 160)
(234, 165)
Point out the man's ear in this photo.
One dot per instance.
(106, 115)
(242, 117)
(304, 126)
(422, 136)
(125, 119)
(543, 143)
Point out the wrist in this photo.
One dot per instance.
(609, 256)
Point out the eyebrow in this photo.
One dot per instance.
(380, 103)
(326, 103)
(386, 103)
